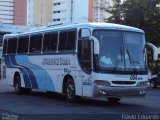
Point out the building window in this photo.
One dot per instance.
(54, 20)
(56, 11)
(57, 4)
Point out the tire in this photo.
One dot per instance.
(17, 84)
(153, 84)
(18, 88)
(114, 100)
(70, 90)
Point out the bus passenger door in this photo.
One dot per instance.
(84, 57)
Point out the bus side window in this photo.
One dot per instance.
(46, 41)
(12, 45)
(23, 44)
(84, 55)
(35, 43)
(67, 40)
(50, 42)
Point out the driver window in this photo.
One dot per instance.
(84, 54)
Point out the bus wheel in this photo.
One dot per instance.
(70, 90)
(114, 100)
(153, 84)
(17, 84)
(18, 88)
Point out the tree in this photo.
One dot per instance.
(144, 14)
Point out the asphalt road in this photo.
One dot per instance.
(42, 106)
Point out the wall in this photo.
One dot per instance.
(20, 12)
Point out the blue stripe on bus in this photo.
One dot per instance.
(24, 74)
(24, 60)
(7, 62)
(31, 75)
(36, 75)
(43, 79)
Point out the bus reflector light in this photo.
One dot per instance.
(142, 84)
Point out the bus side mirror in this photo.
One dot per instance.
(96, 45)
(155, 50)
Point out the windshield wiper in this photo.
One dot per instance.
(132, 62)
(129, 55)
(116, 66)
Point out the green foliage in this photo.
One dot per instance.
(144, 14)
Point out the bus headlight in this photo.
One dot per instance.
(142, 84)
(102, 83)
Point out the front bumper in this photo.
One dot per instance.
(119, 92)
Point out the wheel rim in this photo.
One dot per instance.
(17, 87)
(152, 84)
(17, 84)
(70, 91)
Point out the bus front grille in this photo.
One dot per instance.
(124, 82)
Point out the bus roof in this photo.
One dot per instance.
(81, 25)
(113, 26)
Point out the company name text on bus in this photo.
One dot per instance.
(56, 61)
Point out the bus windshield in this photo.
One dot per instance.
(120, 50)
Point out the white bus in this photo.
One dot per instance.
(88, 60)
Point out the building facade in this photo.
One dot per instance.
(30, 12)
(70, 11)
(6, 11)
(20, 12)
(42, 12)
(39, 12)
(13, 12)
(80, 11)
(99, 14)
(62, 11)
(26, 12)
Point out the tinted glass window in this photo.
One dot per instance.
(4, 46)
(67, 40)
(134, 49)
(84, 54)
(35, 43)
(12, 45)
(1, 39)
(50, 42)
(23, 44)
(111, 50)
